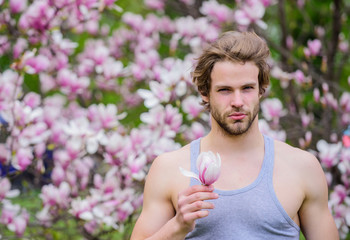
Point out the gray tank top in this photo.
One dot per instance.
(250, 213)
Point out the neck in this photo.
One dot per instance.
(220, 141)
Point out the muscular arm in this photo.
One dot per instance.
(316, 220)
(159, 219)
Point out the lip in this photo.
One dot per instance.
(237, 116)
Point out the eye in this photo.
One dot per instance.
(248, 87)
(223, 90)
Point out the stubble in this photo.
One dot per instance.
(236, 127)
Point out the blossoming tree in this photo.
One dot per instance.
(91, 91)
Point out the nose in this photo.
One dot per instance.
(236, 100)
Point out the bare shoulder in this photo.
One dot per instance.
(302, 164)
(164, 172)
(296, 157)
(167, 162)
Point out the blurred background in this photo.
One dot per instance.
(91, 91)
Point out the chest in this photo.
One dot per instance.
(282, 184)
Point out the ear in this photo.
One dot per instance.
(205, 98)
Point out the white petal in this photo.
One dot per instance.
(13, 193)
(188, 173)
(87, 216)
(144, 93)
(91, 145)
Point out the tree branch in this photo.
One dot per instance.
(333, 46)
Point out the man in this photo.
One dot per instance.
(266, 190)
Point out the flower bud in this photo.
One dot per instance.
(208, 167)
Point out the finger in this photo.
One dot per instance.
(201, 196)
(197, 188)
(192, 216)
(184, 200)
(197, 206)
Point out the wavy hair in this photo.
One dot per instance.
(237, 47)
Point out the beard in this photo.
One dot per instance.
(237, 127)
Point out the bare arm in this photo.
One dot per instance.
(159, 218)
(317, 222)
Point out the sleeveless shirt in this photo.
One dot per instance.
(250, 213)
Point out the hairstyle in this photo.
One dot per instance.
(238, 47)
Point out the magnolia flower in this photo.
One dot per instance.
(208, 166)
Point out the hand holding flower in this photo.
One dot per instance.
(208, 165)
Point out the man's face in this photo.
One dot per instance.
(234, 96)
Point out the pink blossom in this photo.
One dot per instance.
(251, 12)
(134, 20)
(70, 83)
(343, 46)
(4, 45)
(339, 195)
(305, 142)
(115, 143)
(137, 166)
(344, 165)
(19, 47)
(5, 190)
(37, 16)
(37, 64)
(34, 134)
(191, 105)
(58, 175)
(272, 109)
(345, 101)
(300, 78)
(25, 114)
(306, 119)
(300, 4)
(17, 6)
(59, 196)
(155, 4)
(188, 2)
(208, 165)
(196, 131)
(290, 42)
(313, 47)
(81, 208)
(44, 216)
(158, 93)
(275, 134)
(98, 53)
(316, 94)
(341, 214)
(91, 226)
(47, 82)
(65, 46)
(23, 158)
(32, 99)
(166, 121)
(328, 153)
(283, 76)
(172, 118)
(5, 154)
(112, 69)
(188, 28)
(166, 25)
(102, 116)
(330, 100)
(19, 224)
(14, 217)
(218, 12)
(139, 141)
(320, 31)
(82, 169)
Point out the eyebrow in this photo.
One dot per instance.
(243, 85)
